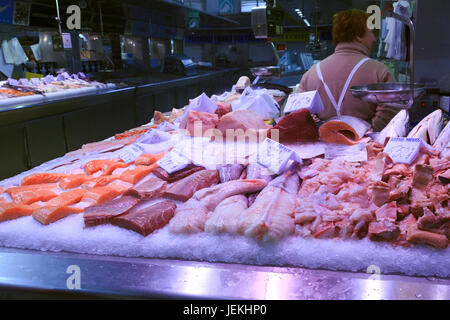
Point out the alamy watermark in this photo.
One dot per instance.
(374, 20)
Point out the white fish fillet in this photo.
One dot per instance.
(225, 218)
(211, 197)
(429, 128)
(397, 127)
(443, 141)
(271, 217)
(190, 217)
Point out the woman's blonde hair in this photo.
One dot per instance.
(349, 24)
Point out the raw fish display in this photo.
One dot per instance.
(147, 220)
(343, 130)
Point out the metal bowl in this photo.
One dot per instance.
(389, 92)
(270, 72)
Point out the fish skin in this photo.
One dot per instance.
(429, 128)
(147, 220)
(397, 127)
(225, 218)
(443, 141)
(211, 197)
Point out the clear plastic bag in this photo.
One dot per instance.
(259, 102)
(19, 55)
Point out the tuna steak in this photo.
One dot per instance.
(184, 189)
(147, 220)
(297, 126)
(103, 213)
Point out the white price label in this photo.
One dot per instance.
(403, 150)
(173, 162)
(306, 100)
(355, 153)
(154, 136)
(275, 156)
(166, 126)
(131, 153)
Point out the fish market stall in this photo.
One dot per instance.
(231, 198)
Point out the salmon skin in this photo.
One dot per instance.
(73, 181)
(50, 214)
(40, 178)
(11, 211)
(343, 130)
(183, 190)
(103, 213)
(33, 193)
(147, 220)
(133, 176)
(178, 175)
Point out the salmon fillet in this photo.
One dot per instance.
(73, 181)
(147, 220)
(109, 167)
(148, 159)
(344, 130)
(50, 214)
(11, 211)
(120, 186)
(33, 193)
(67, 198)
(40, 178)
(100, 195)
(134, 175)
(98, 182)
(96, 165)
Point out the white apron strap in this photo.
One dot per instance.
(338, 105)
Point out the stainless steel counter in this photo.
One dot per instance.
(155, 278)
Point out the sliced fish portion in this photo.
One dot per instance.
(225, 218)
(151, 188)
(103, 213)
(211, 197)
(190, 217)
(343, 130)
(443, 141)
(183, 190)
(230, 172)
(147, 220)
(271, 217)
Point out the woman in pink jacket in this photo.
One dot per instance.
(349, 66)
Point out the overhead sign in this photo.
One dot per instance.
(194, 19)
(226, 6)
(293, 36)
(6, 11)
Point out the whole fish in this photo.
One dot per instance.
(397, 127)
(429, 128)
(443, 141)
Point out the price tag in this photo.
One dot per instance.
(306, 100)
(166, 126)
(130, 153)
(356, 153)
(154, 136)
(275, 156)
(173, 162)
(403, 150)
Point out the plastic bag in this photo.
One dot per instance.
(202, 104)
(7, 54)
(259, 102)
(19, 55)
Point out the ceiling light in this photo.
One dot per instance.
(307, 23)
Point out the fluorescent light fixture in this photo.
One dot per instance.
(307, 23)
